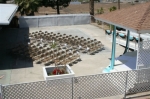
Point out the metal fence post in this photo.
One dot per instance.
(126, 85)
(1, 92)
(72, 87)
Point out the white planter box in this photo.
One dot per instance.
(49, 69)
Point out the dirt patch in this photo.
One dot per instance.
(79, 8)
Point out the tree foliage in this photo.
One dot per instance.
(55, 4)
(28, 7)
(3, 1)
(100, 11)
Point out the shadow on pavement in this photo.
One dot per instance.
(10, 38)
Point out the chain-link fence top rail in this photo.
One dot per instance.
(143, 59)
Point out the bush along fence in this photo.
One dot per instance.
(82, 87)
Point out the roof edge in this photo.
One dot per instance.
(117, 24)
(7, 21)
(143, 31)
(10, 18)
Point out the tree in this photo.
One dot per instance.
(56, 4)
(28, 7)
(3, 1)
(113, 8)
(91, 8)
(118, 4)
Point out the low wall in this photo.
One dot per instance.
(54, 20)
(77, 2)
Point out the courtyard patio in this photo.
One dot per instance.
(20, 71)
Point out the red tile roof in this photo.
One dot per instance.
(136, 17)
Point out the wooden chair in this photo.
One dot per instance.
(76, 37)
(58, 33)
(82, 38)
(88, 39)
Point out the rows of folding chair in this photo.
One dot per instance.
(79, 43)
(67, 49)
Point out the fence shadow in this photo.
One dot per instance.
(139, 97)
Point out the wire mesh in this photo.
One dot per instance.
(97, 86)
(85, 87)
(138, 81)
(143, 55)
(52, 89)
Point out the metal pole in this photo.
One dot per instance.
(72, 86)
(127, 42)
(139, 47)
(1, 97)
(126, 85)
(113, 48)
(112, 62)
(103, 25)
(138, 52)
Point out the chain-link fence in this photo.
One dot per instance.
(53, 89)
(138, 81)
(98, 86)
(143, 55)
(83, 87)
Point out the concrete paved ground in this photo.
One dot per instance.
(90, 64)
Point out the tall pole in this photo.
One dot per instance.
(57, 3)
(1, 97)
(91, 8)
(118, 4)
(113, 48)
(127, 42)
(112, 62)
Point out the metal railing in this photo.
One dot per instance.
(0, 91)
(82, 87)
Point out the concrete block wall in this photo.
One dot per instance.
(54, 20)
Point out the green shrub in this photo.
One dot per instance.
(100, 11)
(113, 8)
